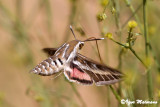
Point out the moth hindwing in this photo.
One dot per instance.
(76, 67)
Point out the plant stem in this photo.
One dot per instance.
(120, 59)
(132, 50)
(149, 74)
(134, 13)
(154, 56)
(120, 43)
(108, 98)
(115, 94)
(145, 27)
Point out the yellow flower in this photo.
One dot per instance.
(151, 30)
(131, 77)
(104, 2)
(101, 17)
(148, 61)
(38, 98)
(109, 35)
(132, 24)
(127, 44)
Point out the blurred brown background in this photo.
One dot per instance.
(27, 26)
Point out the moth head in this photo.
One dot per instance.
(76, 44)
(81, 43)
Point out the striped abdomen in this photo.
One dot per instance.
(49, 66)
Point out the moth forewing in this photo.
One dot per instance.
(100, 74)
(50, 51)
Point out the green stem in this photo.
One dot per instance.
(145, 27)
(116, 94)
(120, 43)
(134, 13)
(132, 50)
(154, 56)
(116, 4)
(130, 93)
(120, 59)
(150, 86)
(149, 74)
(141, 29)
(108, 98)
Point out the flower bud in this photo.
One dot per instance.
(101, 17)
(132, 24)
(109, 35)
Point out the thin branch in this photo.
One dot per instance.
(145, 27)
(132, 50)
(149, 74)
(133, 14)
(120, 43)
(116, 94)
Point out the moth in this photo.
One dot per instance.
(75, 66)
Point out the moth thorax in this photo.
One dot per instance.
(74, 52)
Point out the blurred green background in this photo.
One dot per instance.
(27, 26)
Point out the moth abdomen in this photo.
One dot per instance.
(47, 67)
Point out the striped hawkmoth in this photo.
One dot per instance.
(75, 66)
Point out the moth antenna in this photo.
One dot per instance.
(72, 32)
(93, 39)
